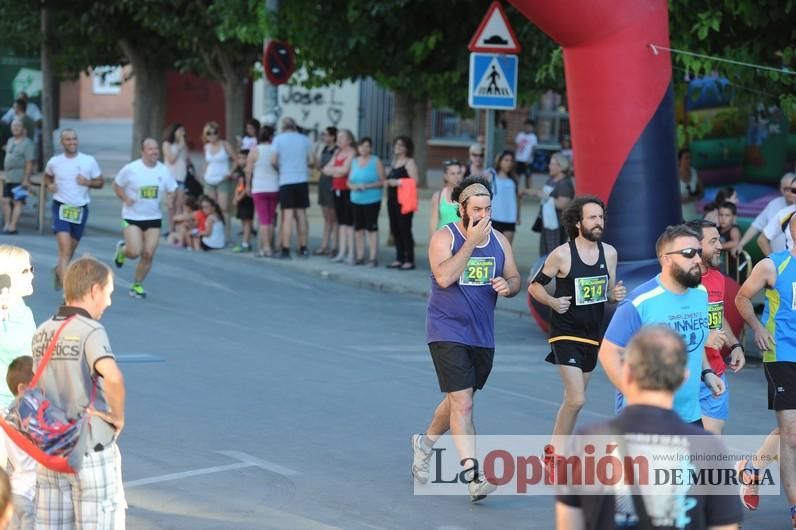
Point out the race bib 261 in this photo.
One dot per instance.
(479, 271)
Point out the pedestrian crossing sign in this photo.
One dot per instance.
(493, 81)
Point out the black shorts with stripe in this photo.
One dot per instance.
(574, 351)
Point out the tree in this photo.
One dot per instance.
(196, 30)
(417, 49)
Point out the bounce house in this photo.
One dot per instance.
(748, 151)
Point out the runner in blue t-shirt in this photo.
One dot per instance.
(675, 298)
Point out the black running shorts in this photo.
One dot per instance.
(573, 353)
(459, 366)
(781, 377)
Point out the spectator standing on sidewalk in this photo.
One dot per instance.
(556, 195)
(366, 182)
(506, 196)
(91, 497)
(175, 157)
(326, 194)
(475, 167)
(443, 210)
(403, 167)
(218, 156)
(19, 158)
(251, 135)
(262, 181)
(526, 141)
(338, 169)
(292, 157)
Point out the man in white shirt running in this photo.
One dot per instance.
(68, 177)
(141, 185)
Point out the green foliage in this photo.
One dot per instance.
(412, 46)
(760, 32)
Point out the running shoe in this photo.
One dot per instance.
(749, 492)
(118, 259)
(421, 458)
(137, 291)
(243, 247)
(479, 488)
(304, 252)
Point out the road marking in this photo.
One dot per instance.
(257, 462)
(185, 474)
(138, 358)
(245, 460)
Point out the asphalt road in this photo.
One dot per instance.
(260, 397)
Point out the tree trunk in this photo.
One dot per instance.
(419, 137)
(234, 109)
(149, 100)
(47, 83)
(402, 115)
(47, 108)
(410, 120)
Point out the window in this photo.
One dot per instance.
(552, 119)
(107, 80)
(447, 125)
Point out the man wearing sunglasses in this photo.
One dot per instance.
(776, 237)
(768, 213)
(676, 298)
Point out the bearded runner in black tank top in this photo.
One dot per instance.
(588, 287)
(579, 302)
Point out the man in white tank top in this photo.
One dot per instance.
(141, 185)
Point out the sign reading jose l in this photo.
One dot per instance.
(493, 72)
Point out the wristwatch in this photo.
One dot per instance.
(705, 372)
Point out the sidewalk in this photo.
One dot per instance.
(105, 219)
(109, 142)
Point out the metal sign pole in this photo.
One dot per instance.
(489, 138)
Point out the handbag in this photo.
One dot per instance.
(192, 185)
(42, 429)
(538, 225)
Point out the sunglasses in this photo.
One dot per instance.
(791, 190)
(452, 162)
(212, 133)
(478, 155)
(29, 270)
(686, 252)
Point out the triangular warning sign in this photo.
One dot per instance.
(493, 82)
(494, 34)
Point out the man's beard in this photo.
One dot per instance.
(686, 278)
(466, 221)
(594, 235)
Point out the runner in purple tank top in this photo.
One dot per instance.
(471, 266)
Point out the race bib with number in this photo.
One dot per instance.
(716, 315)
(479, 271)
(149, 192)
(71, 214)
(591, 290)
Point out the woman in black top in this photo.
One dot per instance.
(403, 167)
(326, 196)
